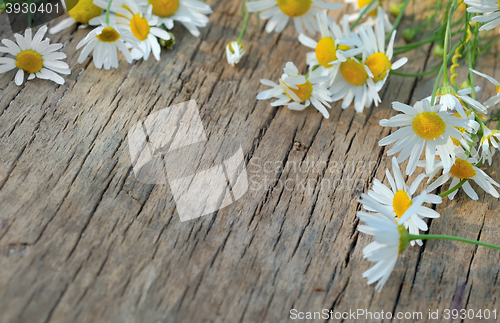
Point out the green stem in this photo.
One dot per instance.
(454, 188)
(445, 55)
(406, 48)
(107, 12)
(29, 13)
(436, 83)
(397, 21)
(471, 76)
(244, 27)
(433, 70)
(483, 126)
(472, 137)
(362, 14)
(444, 237)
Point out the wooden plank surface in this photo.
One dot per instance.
(81, 240)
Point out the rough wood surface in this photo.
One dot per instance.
(81, 240)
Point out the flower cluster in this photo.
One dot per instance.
(439, 134)
(346, 65)
(448, 137)
(136, 29)
(443, 137)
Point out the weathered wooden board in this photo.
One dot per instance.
(81, 240)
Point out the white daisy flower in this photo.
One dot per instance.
(425, 128)
(129, 16)
(398, 198)
(280, 11)
(82, 12)
(490, 12)
(36, 57)
(190, 13)
(104, 41)
(354, 82)
(391, 238)
(297, 92)
(234, 52)
(464, 168)
(373, 13)
(451, 100)
(495, 99)
(489, 144)
(378, 59)
(328, 51)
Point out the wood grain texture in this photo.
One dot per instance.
(81, 240)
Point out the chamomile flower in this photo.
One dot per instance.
(495, 99)
(297, 92)
(190, 13)
(391, 237)
(464, 169)
(104, 41)
(82, 13)
(234, 52)
(354, 82)
(129, 16)
(490, 12)
(378, 57)
(452, 100)
(328, 51)
(398, 198)
(34, 56)
(489, 144)
(373, 13)
(279, 13)
(425, 128)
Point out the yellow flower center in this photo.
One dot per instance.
(362, 3)
(83, 10)
(401, 202)
(462, 169)
(353, 72)
(304, 91)
(294, 8)
(326, 51)
(378, 64)
(139, 27)
(496, 86)
(164, 8)
(108, 35)
(343, 47)
(29, 61)
(428, 125)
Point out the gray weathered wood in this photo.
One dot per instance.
(81, 240)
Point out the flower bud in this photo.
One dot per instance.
(408, 34)
(439, 50)
(168, 44)
(395, 8)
